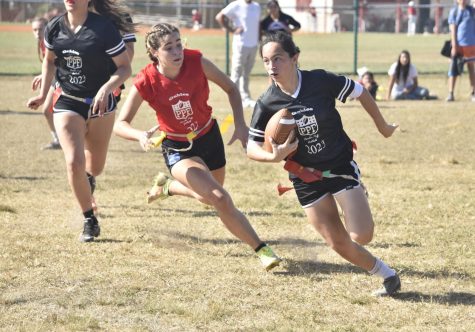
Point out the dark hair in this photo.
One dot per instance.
(116, 12)
(404, 69)
(273, 2)
(283, 39)
(370, 74)
(154, 37)
(41, 20)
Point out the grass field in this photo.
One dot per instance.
(172, 266)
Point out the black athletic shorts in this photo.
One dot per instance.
(310, 193)
(209, 147)
(65, 104)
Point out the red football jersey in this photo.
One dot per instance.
(181, 104)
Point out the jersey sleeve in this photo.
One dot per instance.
(130, 36)
(113, 42)
(142, 85)
(412, 71)
(392, 69)
(230, 10)
(258, 124)
(50, 33)
(452, 16)
(340, 87)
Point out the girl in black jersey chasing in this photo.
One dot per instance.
(322, 168)
(79, 46)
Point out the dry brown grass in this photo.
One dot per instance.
(172, 266)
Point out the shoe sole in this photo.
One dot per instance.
(273, 264)
(84, 239)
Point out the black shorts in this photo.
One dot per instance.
(310, 193)
(209, 147)
(65, 104)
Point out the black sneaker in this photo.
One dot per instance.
(391, 286)
(91, 230)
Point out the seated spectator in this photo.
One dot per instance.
(403, 83)
(367, 80)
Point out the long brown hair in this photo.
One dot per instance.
(403, 69)
(40, 42)
(116, 11)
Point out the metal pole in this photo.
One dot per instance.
(227, 45)
(355, 35)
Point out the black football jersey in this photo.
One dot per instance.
(82, 58)
(323, 144)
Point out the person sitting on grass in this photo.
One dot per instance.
(403, 82)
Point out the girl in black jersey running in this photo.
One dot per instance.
(79, 46)
(321, 145)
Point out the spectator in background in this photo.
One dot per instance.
(196, 19)
(277, 20)
(38, 26)
(313, 19)
(462, 34)
(403, 83)
(336, 22)
(411, 18)
(368, 82)
(241, 18)
(438, 17)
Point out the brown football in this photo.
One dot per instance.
(279, 127)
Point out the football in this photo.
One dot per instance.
(279, 127)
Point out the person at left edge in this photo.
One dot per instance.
(79, 44)
(38, 26)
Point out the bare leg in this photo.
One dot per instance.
(471, 73)
(193, 174)
(358, 218)
(99, 131)
(71, 129)
(48, 104)
(452, 81)
(323, 215)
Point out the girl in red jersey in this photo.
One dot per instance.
(176, 86)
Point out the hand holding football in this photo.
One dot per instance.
(279, 127)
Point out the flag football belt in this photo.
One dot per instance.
(308, 174)
(157, 141)
(88, 101)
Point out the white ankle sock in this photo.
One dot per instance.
(380, 269)
(55, 136)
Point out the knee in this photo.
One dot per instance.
(75, 166)
(95, 170)
(362, 238)
(220, 199)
